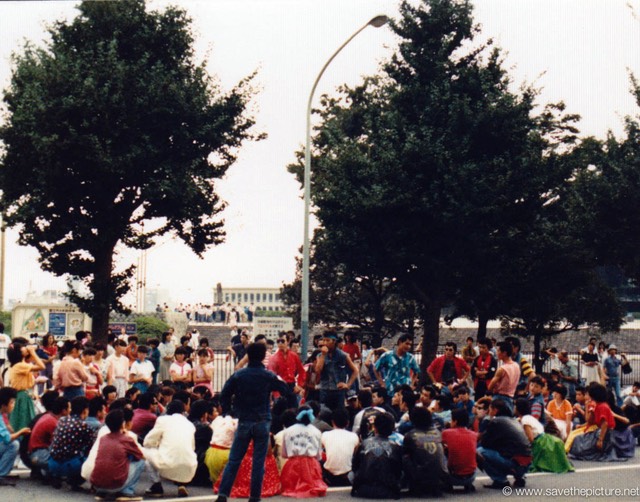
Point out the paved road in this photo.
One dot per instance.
(591, 480)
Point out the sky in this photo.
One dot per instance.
(577, 51)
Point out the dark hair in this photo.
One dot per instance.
(305, 419)
(256, 352)
(561, 389)
(174, 407)
(120, 343)
(404, 338)
(145, 400)
(452, 344)
(108, 389)
(515, 342)
(79, 404)
(132, 338)
(581, 388)
(597, 392)
(539, 380)
(469, 338)
(409, 398)
(199, 408)
(114, 420)
(203, 341)
(288, 417)
(523, 407)
(99, 346)
(165, 336)
(505, 347)
(461, 417)
(143, 349)
(14, 352)
(46, 338)
(81, 335)
(132, 391)
(502, 410)
(59, 405)
(485, 341)
(365, 397)
(154, 342)
(259, 337)
(89, 351)
(6, 395)
(96, 405)
(183, 396)
(340, 417)
(444, 400)
(119, 403)
(384, 424)
(420, 417)
(381, 391)
(48, 398)
(203, 352)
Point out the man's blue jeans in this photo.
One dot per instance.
(8, 454)
(136, 467)
(498, 467)
(247, 431)
(613, 383)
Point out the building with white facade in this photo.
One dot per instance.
(261, 298)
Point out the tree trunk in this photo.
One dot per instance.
(378, 323)
(483, 319)
(537, 360)
(431, 337)
(102, 290)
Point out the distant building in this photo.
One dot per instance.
(155, 296)
(261, 298)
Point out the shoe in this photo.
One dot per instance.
(55, 483)
(469, 488)
(182, 491)
(5, 481)
(155, 490)
(498, 485)
(519, 483)
(254, 499)
(123, 498)
(221, 498)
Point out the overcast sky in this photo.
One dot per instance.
(578, 51)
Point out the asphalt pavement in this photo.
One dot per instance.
(617, 481)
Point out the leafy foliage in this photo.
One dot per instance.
(151, 327)
(437, 175)
(114, 136)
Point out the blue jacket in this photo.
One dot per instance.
(251, 388)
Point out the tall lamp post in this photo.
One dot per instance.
(376, 22)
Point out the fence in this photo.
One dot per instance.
(224, 367)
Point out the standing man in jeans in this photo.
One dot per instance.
(250, 388)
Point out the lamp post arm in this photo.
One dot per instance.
(304, 299)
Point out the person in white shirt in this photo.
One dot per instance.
(339, 446)
(170, 450)
(118, 368)
(141, 371)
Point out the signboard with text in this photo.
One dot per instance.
(271, 326)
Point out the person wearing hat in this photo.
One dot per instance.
(333, 365)
(611, 367)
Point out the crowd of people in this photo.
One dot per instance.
(227, 314)
(96, 416)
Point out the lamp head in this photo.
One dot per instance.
(378, 21)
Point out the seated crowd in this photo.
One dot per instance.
(106, 421)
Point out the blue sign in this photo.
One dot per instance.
(129, 328)
(58, 324)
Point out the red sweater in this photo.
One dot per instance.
(112, 462)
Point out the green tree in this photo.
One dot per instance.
(427, 172)
(111, 125)
(151, 327)
(339, 296)
(607, 195)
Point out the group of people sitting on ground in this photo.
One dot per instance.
(384, 439)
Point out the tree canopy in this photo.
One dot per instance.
(114, 135)
(440, 175)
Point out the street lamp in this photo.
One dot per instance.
(376, 22)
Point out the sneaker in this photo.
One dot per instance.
(155, 490)
(5, 481)
(123, 498)
(519, 483)
(469, 488)
(221, 498)
(498, 485)
(182, 491)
